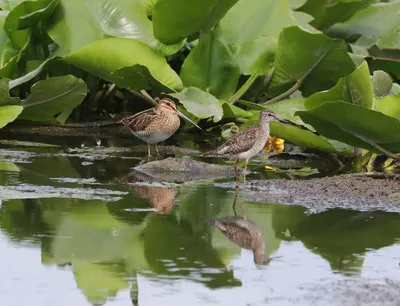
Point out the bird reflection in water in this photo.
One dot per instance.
(161, 198)
(244, 232)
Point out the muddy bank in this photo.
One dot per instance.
(350, 191)
(351, 292)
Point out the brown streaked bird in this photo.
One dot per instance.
(156, 124)
(247, 143)
(245, 233)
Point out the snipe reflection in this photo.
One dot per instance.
(160, 196)
(244, 232)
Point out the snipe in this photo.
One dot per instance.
(156, 124)
(247, 143)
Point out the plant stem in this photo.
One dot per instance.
(265, 80)
(141, 96)
(283, 95)
(242, 90)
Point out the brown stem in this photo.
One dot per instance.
(283, 95)
(141, 96)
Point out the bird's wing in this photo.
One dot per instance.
(241, 142)
(139, 121)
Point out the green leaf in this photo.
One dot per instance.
(7, 51)
(386, 64)
(295, 4)
(148, 6)
(95, 20)
(200, 103)
(122, 53)
(25, 15)
(5, 98)
(7, 5)
(304, 57)
(369, 23)
(9, 113)
(355, 88)
(138, 77)
(381, 83)
(176, 19)
(211, 66)
(37, 14)
(354, 125)
(285, 109)
(30, 75)
(304, 138)
(52, 97)
(327, 13)
(8, 166)
(390, 105)
(251, 29)
(232, 111)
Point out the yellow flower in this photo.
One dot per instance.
(274, 144)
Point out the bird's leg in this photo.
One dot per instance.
(148, 149)
(244, 210)
(236, 175)
(244, 175)
(234, 204)
(156, 149)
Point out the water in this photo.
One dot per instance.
(73, 231)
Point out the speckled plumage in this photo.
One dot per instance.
(245, 144)
(245, 233)
(154, 125)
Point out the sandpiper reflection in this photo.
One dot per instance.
(245, 233)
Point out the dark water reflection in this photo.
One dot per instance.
(151, 242)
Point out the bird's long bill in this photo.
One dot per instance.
(187, 119)
(284, 121)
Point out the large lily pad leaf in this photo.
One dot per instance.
(98, 19)
(355, 88)
(175, 19)
(211, 66)
(200, 103)
(251, 28)
(9, 113)
(121, 53)
(355, 125)
(369, 23)
(25, 15)
(52, 97)
(304, 57)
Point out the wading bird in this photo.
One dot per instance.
(156, 124)
(247, 143)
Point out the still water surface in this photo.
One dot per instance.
(75, 231)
